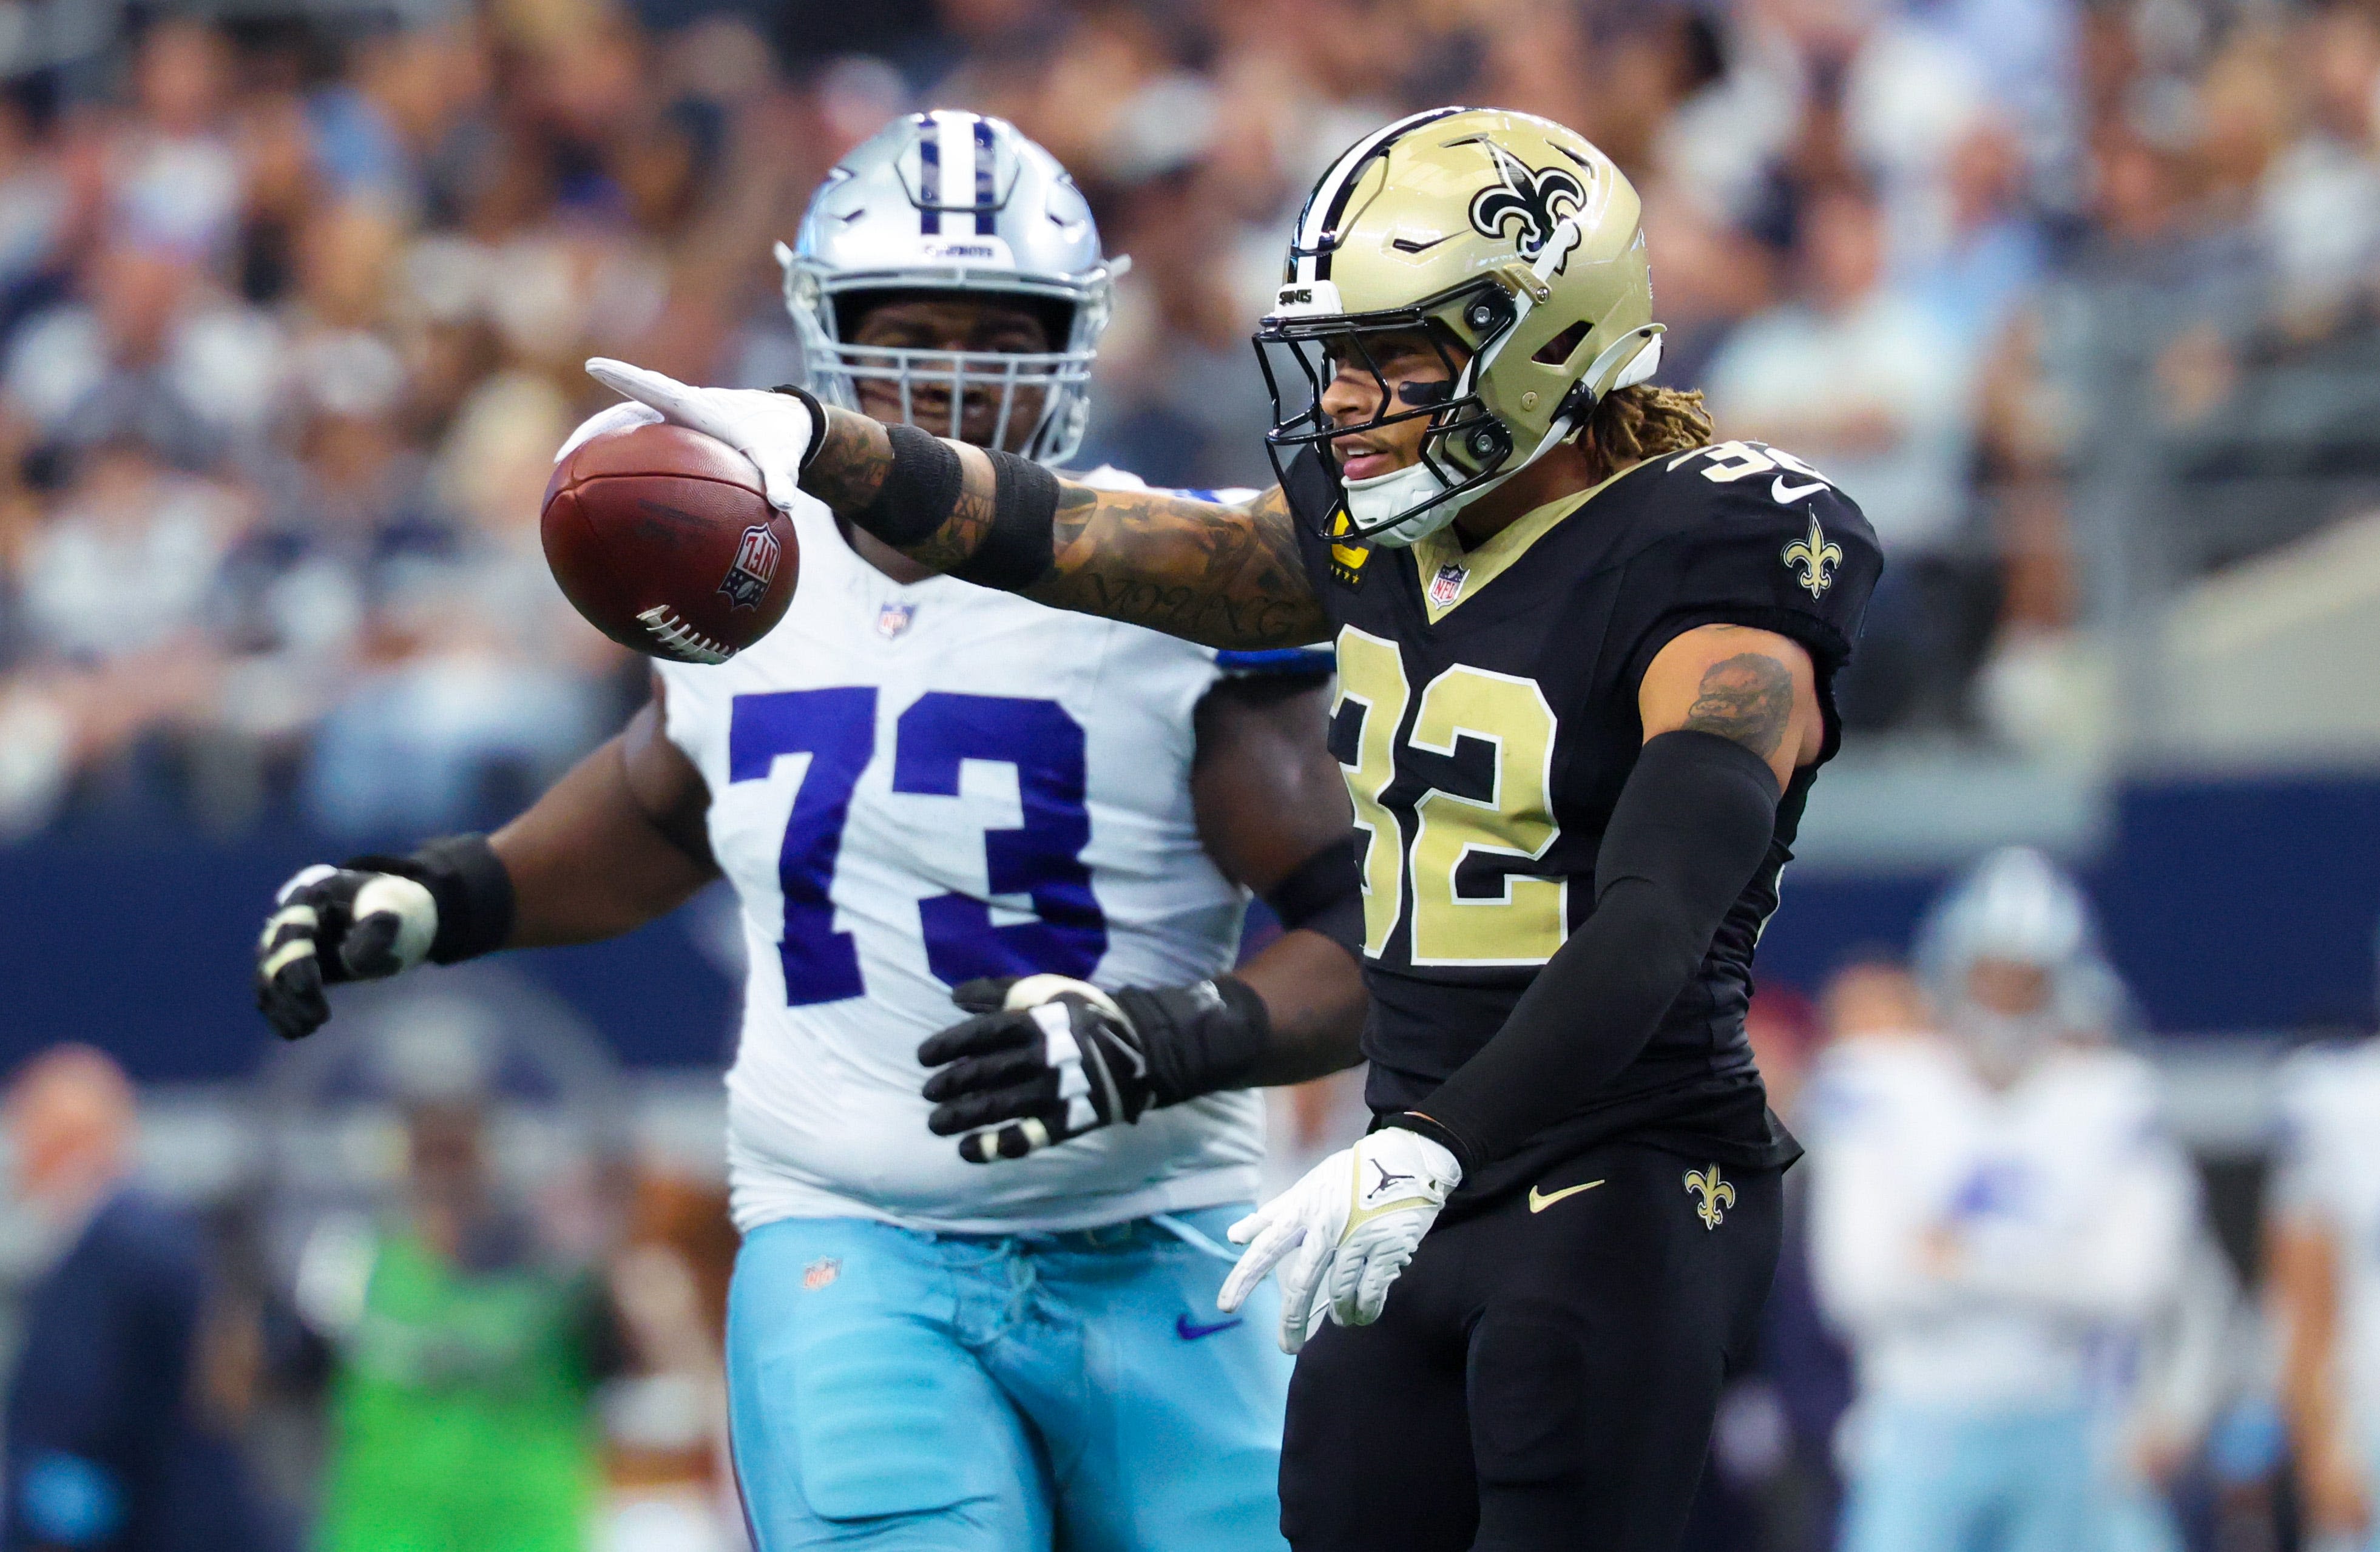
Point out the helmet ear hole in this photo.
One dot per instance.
(1558, 350)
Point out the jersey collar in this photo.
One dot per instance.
(1449, 574)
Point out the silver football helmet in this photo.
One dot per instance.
(955, 201)
(2017, 907)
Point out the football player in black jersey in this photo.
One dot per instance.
(1584, 670)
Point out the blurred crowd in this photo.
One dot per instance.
(291, 312)
(441, 1303)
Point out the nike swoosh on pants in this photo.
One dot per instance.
(1187, 1332)
(1541, 1200)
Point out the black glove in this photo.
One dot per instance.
(1048, 1058)
(372, 916)
(338, 923)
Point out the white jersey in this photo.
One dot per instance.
(1975, 1246)
(915, 785)
(2326, 1175)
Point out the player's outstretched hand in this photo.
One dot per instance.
(336, 924)
(1346, 1230)
(1045, 1058)
(771, 429)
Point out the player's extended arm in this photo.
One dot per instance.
(1226, 576)
(614, 843)
(1048, 1058)
(1728, 713)
(617, 842)
(2302, 1263)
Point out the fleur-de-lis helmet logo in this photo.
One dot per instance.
(1716, 1195)
(1815, 556)
(1535, 198)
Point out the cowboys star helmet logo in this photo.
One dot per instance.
(1535, 197)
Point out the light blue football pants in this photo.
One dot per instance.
(891, 1388)
(1930, 1481)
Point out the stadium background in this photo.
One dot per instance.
(2082, 301)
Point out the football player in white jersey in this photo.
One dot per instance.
(1987, 1208)
(917, 785)
(2322, 1264)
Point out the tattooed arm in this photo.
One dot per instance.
(1753, 686)
(1227, 576)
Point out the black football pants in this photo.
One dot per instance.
(1545, 1372)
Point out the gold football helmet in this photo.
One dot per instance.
(1516, 246)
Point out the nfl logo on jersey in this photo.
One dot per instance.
(894, 618)
(755, 567)
(1447, 586)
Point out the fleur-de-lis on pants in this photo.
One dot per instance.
(1716, 1195)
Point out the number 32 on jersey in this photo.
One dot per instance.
(1525, 922)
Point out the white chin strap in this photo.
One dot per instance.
(1381, 498)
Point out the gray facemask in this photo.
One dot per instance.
(2004, 1045)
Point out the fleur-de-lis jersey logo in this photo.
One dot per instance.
(1714, 1195)
(1536, 198)
(1815, 556)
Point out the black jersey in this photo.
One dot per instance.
(1487, 719)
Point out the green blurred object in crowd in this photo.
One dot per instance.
(460, 1415)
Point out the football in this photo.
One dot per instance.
(662, 538)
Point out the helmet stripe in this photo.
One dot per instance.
(929, 174)
(1328, 201)
(987, 194)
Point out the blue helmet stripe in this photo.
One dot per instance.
(929, 174)
(985, 191)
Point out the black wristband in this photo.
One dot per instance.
(1019, 548)
(817, 418)
(1325, 894)
(467, 881)
(918, 491)
(1199, 1039)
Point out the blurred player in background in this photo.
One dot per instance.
(129, 1377)
(2323, 1263)
(1987, 1208)
(1585, 660)
(917, 785)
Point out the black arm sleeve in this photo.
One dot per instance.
(1691, 827)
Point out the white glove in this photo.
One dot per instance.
(770, 428)
(1355, 1221)
(615, 418)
